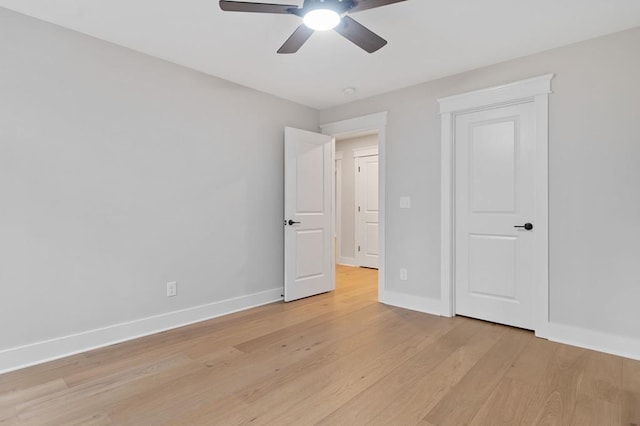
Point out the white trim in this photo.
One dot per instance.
(541, 240)
(347, 261)
(519, 90)
(49, 350)
(332, 231)
(369, 124)
(356, 214)
(594, 340)
(446, 212)
(365, 152)
(534, 90)
(412, 302)
(338, 207)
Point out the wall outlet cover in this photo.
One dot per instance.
(172, 288)
(403, 274)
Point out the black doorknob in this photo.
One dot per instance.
(527, 226)
(291, 222)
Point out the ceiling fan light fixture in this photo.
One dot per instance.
(322, 19)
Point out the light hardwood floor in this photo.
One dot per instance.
(338, 358)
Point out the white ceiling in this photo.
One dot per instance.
(428, 39)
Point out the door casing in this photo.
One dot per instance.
(337, 212)
(534, 90)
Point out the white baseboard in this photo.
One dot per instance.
(39, 352)
(49, 350)
(590, 339)
(347, 261)
(414, 303)
(570, 335)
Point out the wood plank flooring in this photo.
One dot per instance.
(334, 359)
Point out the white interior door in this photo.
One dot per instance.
(367, 211)
(494, 186)
(308, 181)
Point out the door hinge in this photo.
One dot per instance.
(358, 248)
(358, 168)
(358, 209)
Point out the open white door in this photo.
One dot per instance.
(308, 191)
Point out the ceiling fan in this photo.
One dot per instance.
(320, 15)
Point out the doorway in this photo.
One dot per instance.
(370, 125)
(357, 201)
(310, 207)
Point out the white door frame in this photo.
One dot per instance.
(534, 90)
(368, 124)
(357, 154)
(337, 211)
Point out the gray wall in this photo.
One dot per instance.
(594, 178)
(120, 172)
(347, 236)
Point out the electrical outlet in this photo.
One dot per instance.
(172, 288)
(403, 274)
(405, 202)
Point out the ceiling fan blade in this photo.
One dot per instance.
(370, 4)
(360, 35)
(296, 40)
(241, 6)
